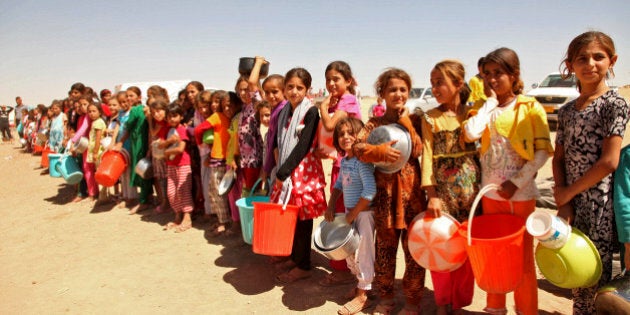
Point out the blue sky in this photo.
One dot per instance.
(49, 45)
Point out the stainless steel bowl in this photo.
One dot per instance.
(81, 145)
(388, 133)
(337, 239)
(144, 168)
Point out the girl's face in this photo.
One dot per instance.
(204, 110)
(133, 98)
(75, 94)
(158, 114)
(55, 109)
(346, 139)
(444, 90)
(591, 64)
(191, 93)
(395, 94)
(114, 106)
(228, 108)
(265, 116)
(174, 119)
(295, 90)
(273, 92)
(215, 105)
(83, 106)
(106, 98)
(336, 84)
(498, 79)
(93, 112)
(242, 89)
(124, 103)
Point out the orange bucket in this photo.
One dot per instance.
(37, 149)
(44, 163)
(495, 248)
(274, 228)
(113, 164)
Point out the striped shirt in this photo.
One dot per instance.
(356, 180)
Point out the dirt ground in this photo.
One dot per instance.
(60, 257)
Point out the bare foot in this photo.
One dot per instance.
(170, 225)
(78, 199)
(293, 275)
(218, 230)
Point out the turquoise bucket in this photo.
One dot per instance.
(70, 170)
(53, 161)
(246, 212)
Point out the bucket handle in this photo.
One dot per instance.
(481, 193)
(258, 181)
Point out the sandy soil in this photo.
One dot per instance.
(74, 258)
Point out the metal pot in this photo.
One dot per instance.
(144, 168)
(156, 151)
(23, 142)
(105, 142)
(81, 145)
(388, 133)
(246, 64)
(337, 239)
(42, 135)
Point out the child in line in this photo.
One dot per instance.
(179, 175)
(83, 126)
(450, 174)
(129, 193)
(399, 197)
(94, 149)
(588, 144)
(159, 128)
(339, 104)
(273, 87)
(515, 144)
(300, 176)
(232, 160)
(356, 183)
(207, 103)
(57, 127)
(113, 126)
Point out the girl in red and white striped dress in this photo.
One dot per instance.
(178, 173)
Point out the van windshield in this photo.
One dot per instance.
(555, 80)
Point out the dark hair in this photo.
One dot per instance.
(42, 108)
(57, 103)
(508, 60)
(98, 107)
(454, 70)
(392, 73)
(78, 86)
(135, 90)
(220, 95)
(580, 42)
(88, 98)
(198, 85)
(158, 103)
(275, 77)
(103, 92)
(355, 125)
(157, 91)
(480, 62)
(344, 69)
(301, 74)
(174, 109)
(205, 97)
(236, 102)
(240, 79)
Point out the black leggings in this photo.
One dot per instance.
(301, 252)
(5, 130)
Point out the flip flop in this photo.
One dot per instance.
(354, 306)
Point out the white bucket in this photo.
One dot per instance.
(550, 230)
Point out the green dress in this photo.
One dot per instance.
(138, 129)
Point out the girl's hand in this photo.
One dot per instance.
(566, 212)
(507, 190)
(323, 107)
(233, 165)
(350, 217)
(488, 90)
(392, 154)
(117, 146)
(329, 215)
(434, 207)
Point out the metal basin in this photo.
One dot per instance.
(337, 239)
(388, 133)
(144, 168)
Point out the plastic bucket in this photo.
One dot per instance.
(37, 149)
(53, 161)
(274, 228)
(325, 142)
(45, 152)
(69, 170)
(112, 165)
(436, 244)
(550, 230)
(495, 248)
(208, 136)
(246, 212)
(577, 264)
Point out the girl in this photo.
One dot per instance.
(263, 113)
(219, 122)
(179, 175)
(339, 104)
(136, 128)
(450, 173)
(128, 191)
(206, 101)
(94, 149)
(112, 132)
(515, 143)
(273, 87)
(193, 118)
(159, 129)
(356, 182)
(232, 160)
(57, 127)
(398, 196)
(300, 175)
(588, 143)
(83, 127)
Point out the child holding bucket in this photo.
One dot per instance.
(399, 197)
(179, 174)
(273, 87)
(356, 182)
(159, 129)
(340, 103)
(450, 173)
(207, 103)
(94, 149)
(515, 143)
(300, 176)
(57, 127)
(588, 144)
(128, 192)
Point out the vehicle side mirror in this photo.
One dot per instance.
(535, 85)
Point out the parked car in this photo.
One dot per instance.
(421, 97)
(553, 92)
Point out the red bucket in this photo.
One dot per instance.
(112, 166)
(274, 228)
(44, 162)
(495, 248)
(37, 149)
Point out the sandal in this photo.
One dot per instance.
(385, 307)
(354, 306)
(293, 275)
(336, 278)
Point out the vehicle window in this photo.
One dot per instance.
(555, 80)
(429, 93)
(415, 92)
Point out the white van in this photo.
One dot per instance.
(553, 92)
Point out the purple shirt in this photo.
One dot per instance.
(270, 160)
